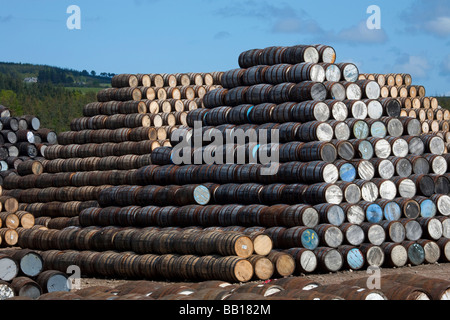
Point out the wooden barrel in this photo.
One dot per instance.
(329, 259)
(432, 228)
(300, 53)
(416, 253)
(330, 214)
(284, 263)
(345, 149)
(424, 184)
(26, 287)
(306, 72)
(349, 71)
(124, 80)
(351, 191)
(432, 250)
(438, 164)
(428, 208)
(433, 144)
(442, 202)
(374, 233)
(374, 255)
(395, 231)
(353, 234)
(329, 235)
(308, 90)
(393, 290)
(385, 169)
(29, 262)
(370, 89)
(444, 246)
(305, 260)
(338, 109)
(10, 268)
(347, 172)
(438, 289)
(353, 257)
(366, 170)
(417, 164)
(369, 190)
(359, 128)
(395, 254)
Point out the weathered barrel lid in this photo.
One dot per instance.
(378, 130)
(416, 146)
(395, 127)
(392, 211)
(333, 73)
(334, 194)
(366, 170)
(310, 239)
(375, 255)
(407, 188)
(361, 130)
(439, 165)
(356, 214)
(366, 150)
(202, 195)
(374, 213)
(428, 208)
(355, 259)
(386, 169)
(347, 172)
(416, 254)
(321, 111)
(339, 111)
(325, 132)
(369, 191)
(350, 72)
(374, 109)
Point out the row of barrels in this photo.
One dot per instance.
(292, 55)
(55, 209)
(153, 93)
(166, 80)
(23, 275)
(104, 149)
(132, 120)
(428, 115)
(293, 73)
(419, 103)
(406, 286)
(269, 215)
(291, 92)
(169, 121)
(411, 91)
(303, 260)
(303, 112)
(390, 79)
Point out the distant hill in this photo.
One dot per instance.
(55, 75)
(55, 95)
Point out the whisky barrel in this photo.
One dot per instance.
(323, 193)
(385, 169)
(315, 131)
(341, 129)
(409, 207)
(428, 208)
(432, 228)
(370, 89)
(329, 235)
(10, 268)
(424, 184)
(357, 108)
(395, 254)
(392, 289)
(301, 53)
(305, 260)
(352, 90)
(433, 144)
(352, 256)
(329, 259)
(369, 190)
(413, 229)
(124, 80)
(374, 255)
(437, 163)
(438, 289)
(308, 90)
(345, 149)
(432, 250)
(359, 128)
(373, 211)
(395, 231)
(305, 72)
(442, 202)
(366, 170)
(26, 287)
(406, 188)
(338, 109)
(444, 246)
(347, 172)
(330, 214)
(399, 146)
(349, 71)
(284, 263)
(374, 233)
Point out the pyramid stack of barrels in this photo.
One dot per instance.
(357, 184)
(104, 147)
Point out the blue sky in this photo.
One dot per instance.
(161, 36)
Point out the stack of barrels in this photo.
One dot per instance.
(12, 220)
(355, 183)
(415, 102)
(113, 139)
(24, 276)
(21, 139)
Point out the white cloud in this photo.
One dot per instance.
(440, 26)
(360, 34)
(417, 66)
(428, 16)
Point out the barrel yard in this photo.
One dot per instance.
(361, 181)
